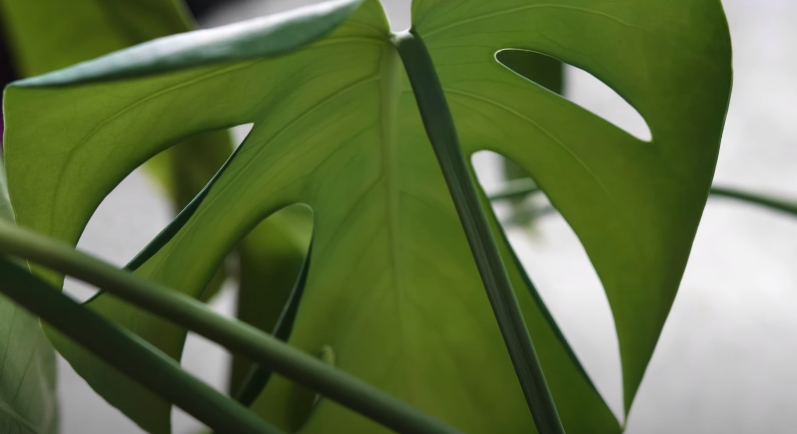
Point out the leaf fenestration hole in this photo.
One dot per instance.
(578, 86)
(556, 262)
(143, 204)
(124, 223)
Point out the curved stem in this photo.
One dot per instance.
(127, 352)
(234, 335)
(442, 134)
(515, 189)
(756, 199)
(524, 187)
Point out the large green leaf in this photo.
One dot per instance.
(27, 363)
(393, 289)
(634, 205)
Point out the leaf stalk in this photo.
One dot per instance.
(439, 124)
(127, 352)
(524, 187)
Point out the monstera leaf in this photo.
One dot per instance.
(634, 205)
(392, 290)
(49, 34)
(27, 363)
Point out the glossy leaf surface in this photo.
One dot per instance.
(393, 289)
(27, 363)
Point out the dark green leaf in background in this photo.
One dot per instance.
(46, 35)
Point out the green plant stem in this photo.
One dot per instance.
(234, 335)
(127, 352)
(441, 131)
(524, 187)
(515, 189)
(756, 199)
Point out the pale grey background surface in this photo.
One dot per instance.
(725, 362)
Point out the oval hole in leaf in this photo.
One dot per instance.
(555, 260)
(578, 86)
(138, 208)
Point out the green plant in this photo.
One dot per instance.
(404, 244)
